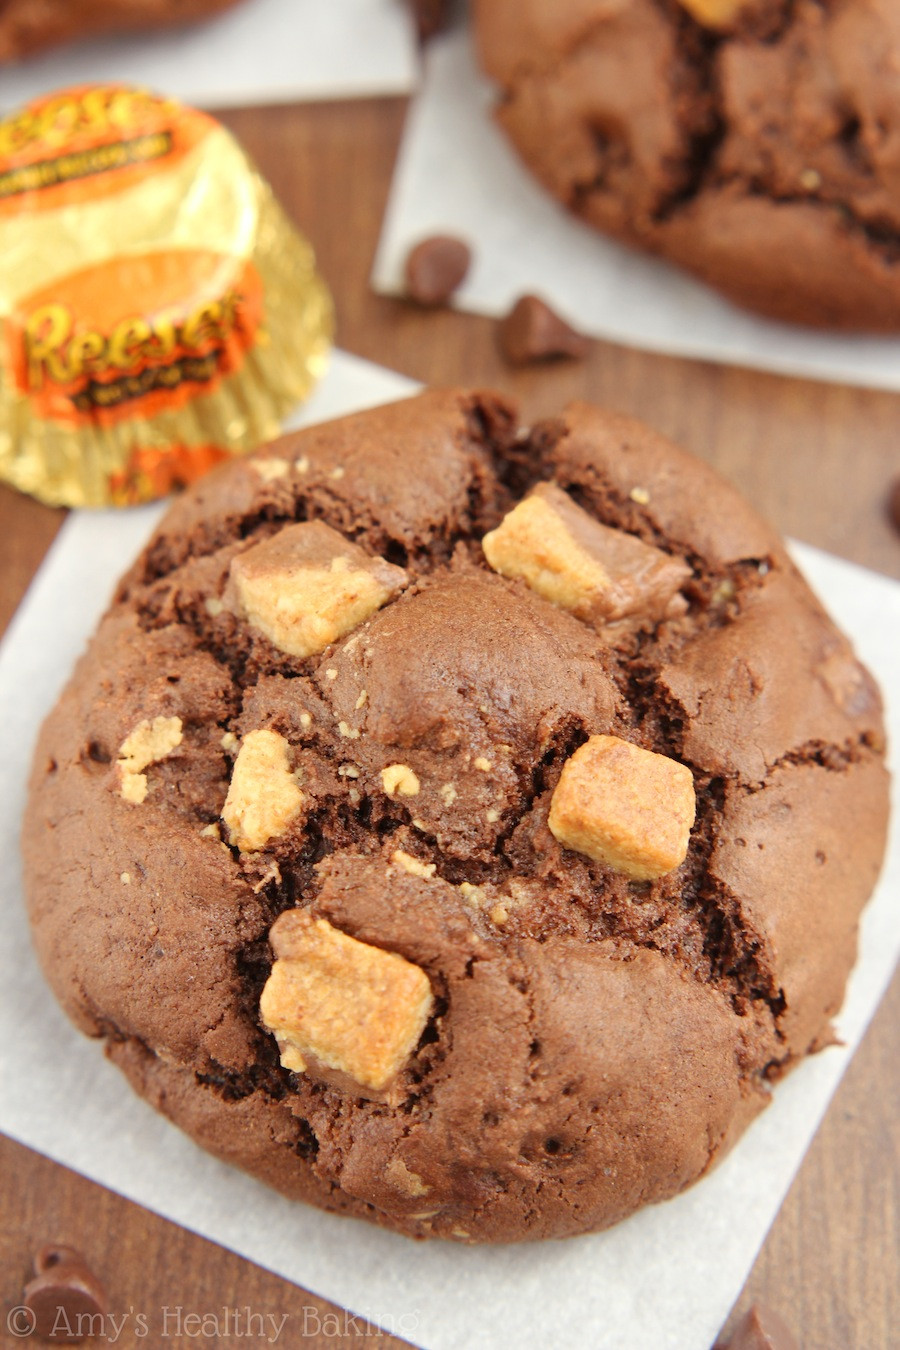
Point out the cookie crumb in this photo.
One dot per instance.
(149, 742)
(410, 1183)
(263, 798)
(272, 873)
(414, 866)
(449, 793)
(640, 495)
(270, 469)
(125, 878)
(399, 779)
(348, 732)
(483, 764)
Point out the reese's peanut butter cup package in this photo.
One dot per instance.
(158, 312)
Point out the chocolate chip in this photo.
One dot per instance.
(430, 16)
(67, 1300)
(435, 267)
(55, 1254)
(762, 1329)
(531, 331)
(893, 504)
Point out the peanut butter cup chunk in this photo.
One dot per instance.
(716, 14)
(601, 575)
(627, 807)
(340, 1004)
(264, 796)
(307, 586)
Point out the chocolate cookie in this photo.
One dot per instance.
(457, 826)
(754, 142)
(27, 28)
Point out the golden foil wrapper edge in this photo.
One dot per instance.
(153, 326)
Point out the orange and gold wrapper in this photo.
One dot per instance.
(158, 311)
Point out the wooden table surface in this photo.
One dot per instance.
(816, 459)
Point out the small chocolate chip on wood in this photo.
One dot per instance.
(435, 268)
(893, 504)
(430, 16)
(532, 331)
(65, 1298)
(762, 1329)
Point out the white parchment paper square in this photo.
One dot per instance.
(457, 174)
(264, 51)
(663, 1280)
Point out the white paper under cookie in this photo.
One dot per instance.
(265, 51)
(457, 174)
(663, 1280)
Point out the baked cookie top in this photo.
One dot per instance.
(27, 28)
(754, 142)
(458, 825)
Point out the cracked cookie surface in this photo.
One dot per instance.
(334, 936)
(756, 144)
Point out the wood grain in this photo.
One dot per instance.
(817, 460)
